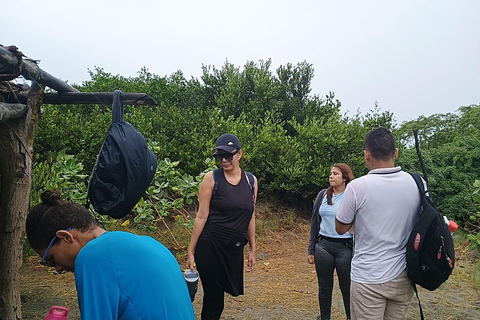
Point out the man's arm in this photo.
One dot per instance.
(342, 228)
(346, 212)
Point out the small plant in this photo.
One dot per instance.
(169, 195)
(63, 174)
(475, 241)
(475, 218)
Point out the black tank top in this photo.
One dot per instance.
(232, 206)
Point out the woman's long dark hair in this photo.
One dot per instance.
(347, 174)
(53, 214)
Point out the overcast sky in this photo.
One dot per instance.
(413, 57)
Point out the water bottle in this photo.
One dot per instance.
(57, 313)
(191, 277)
(452, 225)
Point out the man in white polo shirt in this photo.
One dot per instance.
(383, 207)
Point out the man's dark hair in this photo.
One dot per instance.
(53, 214)
(380, 143)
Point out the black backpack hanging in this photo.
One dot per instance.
(124, 169)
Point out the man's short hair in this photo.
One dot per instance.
(380, 143)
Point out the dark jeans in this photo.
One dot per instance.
(330, 255)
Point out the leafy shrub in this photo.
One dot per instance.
(170, 195)
(475, 218)
(63, 173)
(290, 137)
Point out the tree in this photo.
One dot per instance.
(15, 173)
(449, 145)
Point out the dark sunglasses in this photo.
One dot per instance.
(49, 263)
(224, 155)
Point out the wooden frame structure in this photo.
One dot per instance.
(20, 108)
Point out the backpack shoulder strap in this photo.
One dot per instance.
(424, 198)
(418, 181)
(418, 298)
(421, 189)
(215, 178)
(251, 183)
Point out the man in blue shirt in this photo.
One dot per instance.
(119, 275)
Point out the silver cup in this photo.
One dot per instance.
(191, 277)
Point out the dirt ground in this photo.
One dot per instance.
(283, 286)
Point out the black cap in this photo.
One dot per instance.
(228, 142)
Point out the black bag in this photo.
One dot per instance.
(124, 169)
(430, 250)
(430, 245)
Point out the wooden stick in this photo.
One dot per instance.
(31, 71)
(93, 98)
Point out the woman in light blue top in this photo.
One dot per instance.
(326, 248)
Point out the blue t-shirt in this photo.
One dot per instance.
(120, 275)
(328, 212)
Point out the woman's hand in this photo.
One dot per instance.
(311, 258)
(190, 261)
(252, 261)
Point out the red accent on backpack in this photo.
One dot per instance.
(416, 244)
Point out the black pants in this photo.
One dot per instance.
(212, 280)
(330, 255)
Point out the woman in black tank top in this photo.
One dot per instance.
(225, 222)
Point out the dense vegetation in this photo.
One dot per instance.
(290, 137)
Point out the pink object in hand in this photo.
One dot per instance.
(57, 313)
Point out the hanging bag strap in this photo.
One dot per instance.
(117, 109)
(418, 298)
(117, 116)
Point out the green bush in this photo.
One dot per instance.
(63, 173)
(290, 137)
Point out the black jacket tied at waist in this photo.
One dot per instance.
(228, 245)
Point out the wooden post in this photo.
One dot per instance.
(16, 147)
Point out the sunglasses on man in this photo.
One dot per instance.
(224, 155)
(50, 263)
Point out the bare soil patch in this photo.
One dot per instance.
(283, 286)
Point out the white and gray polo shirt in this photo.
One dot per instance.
(384, 205)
